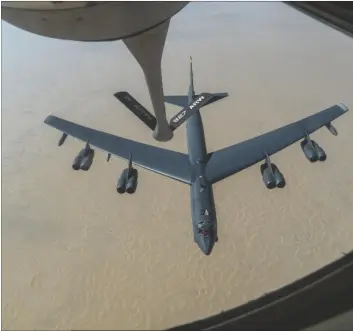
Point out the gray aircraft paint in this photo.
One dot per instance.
(198, 168)
(203, 209)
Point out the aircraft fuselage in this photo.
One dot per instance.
(203, 210)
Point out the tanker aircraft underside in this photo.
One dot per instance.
(198, 168)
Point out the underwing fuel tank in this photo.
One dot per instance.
(62, 139)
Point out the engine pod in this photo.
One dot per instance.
(121, 185)
(87, 160)
(268, 177)
(321, 155)
(309, 151)
(76, 165)
(279, 178)
(132, 182)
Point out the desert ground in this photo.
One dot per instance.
(76, 255)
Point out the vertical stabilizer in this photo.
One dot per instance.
(191, 86)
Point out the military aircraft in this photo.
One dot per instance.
(198, 169)
(142, 26)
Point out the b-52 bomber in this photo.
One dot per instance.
(198, 169)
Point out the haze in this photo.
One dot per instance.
(76, 255)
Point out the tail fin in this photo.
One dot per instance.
(191, 86)
(183, 100)
(188, 108)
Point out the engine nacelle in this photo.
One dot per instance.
(313, 151)
(76, 165)
(131, 184)
(321, 155)
(87, 160)
(309, 150)
(279, 178)
(272, 177)
(121, 185)
(268, 177)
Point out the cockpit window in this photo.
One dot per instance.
(203, 232)
(204, 228)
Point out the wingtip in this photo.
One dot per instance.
(120, 94)
(190, 59)
(343, 106)
(48, 119)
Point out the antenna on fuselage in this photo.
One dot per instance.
(191, 86)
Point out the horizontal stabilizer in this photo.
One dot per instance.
(182, 100)
(217, 97)
(140, 111)
(177, 100)
(189, 110)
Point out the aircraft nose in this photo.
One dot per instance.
(206, 244)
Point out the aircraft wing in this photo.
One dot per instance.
(162, 161)
(232, 159)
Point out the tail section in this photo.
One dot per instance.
(191, 86)
(189, 110)
(177, 100)
(184, 100)
(217, 97)
(190, 104)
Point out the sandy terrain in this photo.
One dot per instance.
(75, 255)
